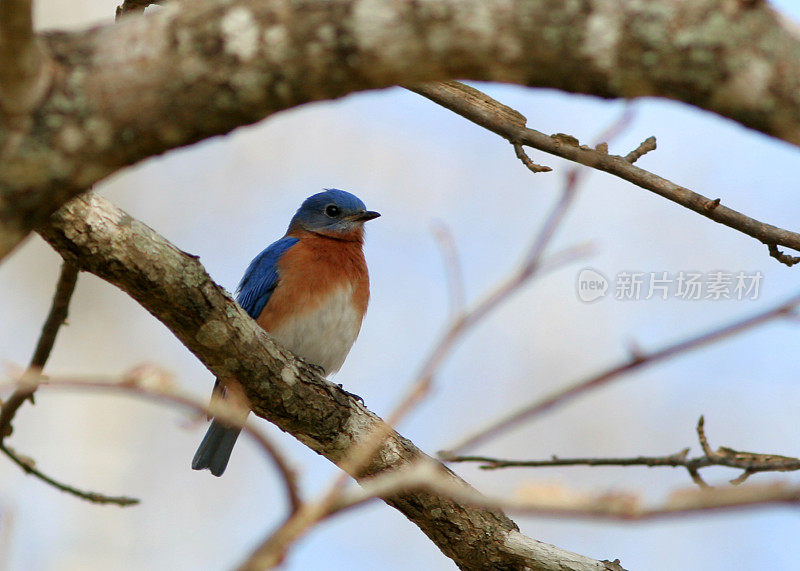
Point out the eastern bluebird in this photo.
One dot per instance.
(309, 290)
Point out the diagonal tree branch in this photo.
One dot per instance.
(55, 319)
(468, 317)
(185, 73)
(59, 309)
(636, 361)
(481, 109)
(175, 288)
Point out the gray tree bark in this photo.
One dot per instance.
(119, 94)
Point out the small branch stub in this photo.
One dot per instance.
(649, 144)
(781, 257)
(526, 160)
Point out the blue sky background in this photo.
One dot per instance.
(416, 163)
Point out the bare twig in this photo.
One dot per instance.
(489, 463)
(272, 551)
(29, 467)
(649, 144)
(526, 160)
(531, 264)
(133, 385)
(30, 381)
(416, 475)
(694, 474)
(469, 317)
(24, 70)
(55, 319)
(749, 462)
(452, 265)
(769, 462)
(636, 361)
(778, 255)
(701, 436)
(511, 125)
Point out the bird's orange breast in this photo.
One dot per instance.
(310, 271)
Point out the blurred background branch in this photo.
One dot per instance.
(152, 383)
(637, 360)
(560, 501)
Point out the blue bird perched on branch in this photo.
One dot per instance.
(309, 291)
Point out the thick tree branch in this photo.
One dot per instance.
(481, 109)
(175, 288)
(185, 73)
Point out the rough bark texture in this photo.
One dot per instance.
(175, 288)
(151, 83)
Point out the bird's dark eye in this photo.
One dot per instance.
(332, 210)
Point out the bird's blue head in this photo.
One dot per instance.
(333, 213)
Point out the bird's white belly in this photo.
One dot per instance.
(323, 335)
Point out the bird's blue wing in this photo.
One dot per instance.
(261, 277)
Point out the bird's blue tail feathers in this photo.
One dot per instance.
(215, 449)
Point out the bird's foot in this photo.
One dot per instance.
(317, 369)
(351, 395)
(321, 372)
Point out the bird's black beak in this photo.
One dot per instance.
(365, 215)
